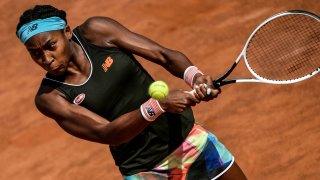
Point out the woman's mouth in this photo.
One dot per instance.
(56, 69)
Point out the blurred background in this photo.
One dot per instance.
(272, 130)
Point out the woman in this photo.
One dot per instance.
(96, 90)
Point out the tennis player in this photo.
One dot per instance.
(96, 90)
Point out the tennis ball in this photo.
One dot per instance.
(158, 90)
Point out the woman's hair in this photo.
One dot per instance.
(40, 12)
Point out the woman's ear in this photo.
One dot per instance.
(67, 32)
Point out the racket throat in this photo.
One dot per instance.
(219, 81)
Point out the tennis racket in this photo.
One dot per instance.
(283, 49)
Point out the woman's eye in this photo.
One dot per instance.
(52, 45)
(35, 53)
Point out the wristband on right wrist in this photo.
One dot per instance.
(151, 109)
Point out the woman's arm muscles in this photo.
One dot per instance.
(83, 123)
(80, 122)
(100, 30)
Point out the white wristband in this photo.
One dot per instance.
(151, 109)
(189, 74)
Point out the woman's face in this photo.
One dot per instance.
(51, 50)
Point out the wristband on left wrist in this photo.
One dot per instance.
(190, 73)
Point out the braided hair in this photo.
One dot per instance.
(40, 12)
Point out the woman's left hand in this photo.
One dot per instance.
(204, 89)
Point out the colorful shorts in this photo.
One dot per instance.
(200, 156)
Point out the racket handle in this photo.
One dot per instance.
(217, 84)
(193, 92)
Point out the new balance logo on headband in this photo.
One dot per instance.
(32, 28)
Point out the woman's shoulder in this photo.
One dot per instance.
(98, 30)
(46, 97)
(99, 24)
(98, 20)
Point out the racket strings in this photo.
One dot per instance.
(285, 48)
(292, 52)
(289, 51)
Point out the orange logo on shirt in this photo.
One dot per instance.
(107, 64)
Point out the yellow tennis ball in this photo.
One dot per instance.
(158, 90)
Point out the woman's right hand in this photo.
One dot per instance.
(179, 100)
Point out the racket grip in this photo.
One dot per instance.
(216, 84)
(193, 92)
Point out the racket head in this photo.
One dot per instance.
(285, 48)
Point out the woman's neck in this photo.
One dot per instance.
(78, 70)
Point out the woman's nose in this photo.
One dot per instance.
(47, 59)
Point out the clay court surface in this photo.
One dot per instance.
(272, 130)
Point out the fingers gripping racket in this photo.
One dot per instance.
(284, 49)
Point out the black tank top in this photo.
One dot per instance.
(117, 85)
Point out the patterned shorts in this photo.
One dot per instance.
(200, 156)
